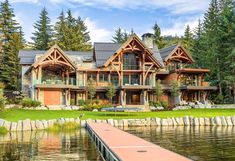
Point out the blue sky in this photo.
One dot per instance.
(104, 16)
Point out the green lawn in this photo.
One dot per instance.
(20, 114)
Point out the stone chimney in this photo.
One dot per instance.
(148, 40)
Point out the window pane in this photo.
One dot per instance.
(126, 79)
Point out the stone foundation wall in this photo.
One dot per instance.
(30, 125)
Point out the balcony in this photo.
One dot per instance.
(131, 67)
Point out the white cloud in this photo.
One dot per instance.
(174, 6)
(27, 1)
(97, 34)
(179, 27)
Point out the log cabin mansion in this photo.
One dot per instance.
(57, 77)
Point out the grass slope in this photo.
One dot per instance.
(20, 114)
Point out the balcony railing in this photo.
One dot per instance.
(131, 67)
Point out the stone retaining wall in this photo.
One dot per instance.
(30, 125)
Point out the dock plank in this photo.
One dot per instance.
(129, 147)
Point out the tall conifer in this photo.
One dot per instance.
(43, 31)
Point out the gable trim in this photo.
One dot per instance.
(47, 55)
(125, 44)
(184, 50)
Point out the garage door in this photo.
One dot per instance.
(52, 97)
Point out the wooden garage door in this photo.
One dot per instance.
(52, 97)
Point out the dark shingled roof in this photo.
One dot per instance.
(28, 56)
(103, 51)
(166, 51)
(157, 55)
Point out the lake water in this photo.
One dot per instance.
(198, 143)
(43, 145)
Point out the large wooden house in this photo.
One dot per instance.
(57, 77)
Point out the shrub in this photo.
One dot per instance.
(2, 100)
(164, 104)
(30, 103)
(81, 102)
(68, 126)
(3, 130)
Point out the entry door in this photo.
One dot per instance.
(133, 98)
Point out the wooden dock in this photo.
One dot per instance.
(117, 145)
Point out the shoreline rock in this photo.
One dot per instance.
(31, 125)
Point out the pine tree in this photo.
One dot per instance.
(43, 34)
(59, 28)
(188, 38)
(197, 47)
(8, 24)
(157, 36)
(12, 40)
(226, 33)
(120, 36)
(71, 33)
(10, 65)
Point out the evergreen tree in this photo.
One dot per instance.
(188, 38)
(10, 68)
(120, 36)
(12, 42)
(71, 33)
(59, 28)
(8, 25)
(157, 36)
(197, 46)
(214, 47)
(43, 34)
(226, 46)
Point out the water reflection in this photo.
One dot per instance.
(198, 143)
(43, 145)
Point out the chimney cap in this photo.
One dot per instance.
(147, 35)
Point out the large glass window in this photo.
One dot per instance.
(131, 79)
(91, 76)
(135, 79)
(114, 79)
(126, 80)
(130, 61)
(103, 77)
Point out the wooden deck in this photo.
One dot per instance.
(127, 147)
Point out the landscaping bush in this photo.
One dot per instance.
(3, 130)
(30, 103)
(2, 102)
(81, 102)
(2, 99)
(68, 126)
(159, 104)
(90, 105)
